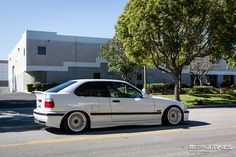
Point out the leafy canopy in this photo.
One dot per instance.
(113, 52)
(171, 33)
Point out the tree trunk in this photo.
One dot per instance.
(177, 86)
(200, 82)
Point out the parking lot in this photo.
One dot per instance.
(210, 132)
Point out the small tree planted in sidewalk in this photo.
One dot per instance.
(170, 34)
(114, 53)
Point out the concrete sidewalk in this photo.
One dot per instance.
(17, 100)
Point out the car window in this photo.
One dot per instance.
(122, 90)
(60, 87)
(96, 89)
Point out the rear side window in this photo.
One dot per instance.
(94, 89)
(60, 87)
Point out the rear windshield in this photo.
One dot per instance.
(60, 87)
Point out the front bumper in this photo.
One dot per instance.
(186, 115)
(52, 119)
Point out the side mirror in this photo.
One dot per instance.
(145, 95)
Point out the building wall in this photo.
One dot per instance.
(17, 65)
(73, 57)
(4, 76)
(3, 73)
(67, 57)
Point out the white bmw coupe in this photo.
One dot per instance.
(91, 103)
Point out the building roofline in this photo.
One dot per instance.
(54, 36)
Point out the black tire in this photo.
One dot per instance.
(173, 115)
(76, 122)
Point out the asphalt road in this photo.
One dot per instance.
(210, 132)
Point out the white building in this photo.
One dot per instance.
(51, 58)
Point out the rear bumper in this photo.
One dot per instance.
(52, 119)
(186, 115)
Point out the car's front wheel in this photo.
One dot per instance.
(172, 116)
(76, 122)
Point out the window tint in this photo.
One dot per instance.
(60, 87)
(122, 90)
(97, 89)
(41, 50)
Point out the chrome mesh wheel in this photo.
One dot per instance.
(77, 121)
(174, 115)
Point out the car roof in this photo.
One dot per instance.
(98, 80)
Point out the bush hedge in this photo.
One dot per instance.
(227, 90)
(160, 88)
(202, 90)
(40, 86)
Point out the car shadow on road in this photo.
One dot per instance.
(18, 120)
(130, 129)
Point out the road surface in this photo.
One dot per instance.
(210, 132)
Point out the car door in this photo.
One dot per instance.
(127, 103)
(96, 98)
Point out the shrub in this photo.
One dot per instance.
(228, 90)
(30, 87)
(38, 86)
(185, 90)
(159, 88)
(46, 86)
(203, 90)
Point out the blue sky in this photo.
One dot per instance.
(95, 18)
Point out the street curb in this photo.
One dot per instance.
(212, 106)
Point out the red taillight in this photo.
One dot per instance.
(49, 103)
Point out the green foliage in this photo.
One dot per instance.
(38, 86)
(159, 88)
(227, 90)
(30, 87)
(185, 90)
(169, 34)
(113, 52)
(202, 90)
(205, 99)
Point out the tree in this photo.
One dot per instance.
(169, 34)
(113, 52)
(199, 68)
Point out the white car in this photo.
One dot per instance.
(91, 103)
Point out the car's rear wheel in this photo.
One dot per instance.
(76, 122)
(172, 116)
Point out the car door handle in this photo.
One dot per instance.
(116, 101)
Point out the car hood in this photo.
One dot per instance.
(166, 100)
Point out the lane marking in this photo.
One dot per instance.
(95, 137)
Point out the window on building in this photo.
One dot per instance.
(41, 50)
(228, 80)
(96, 76)
(139, 76)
